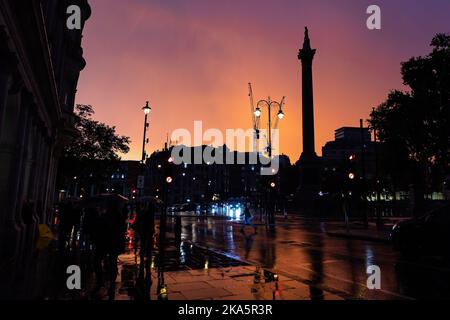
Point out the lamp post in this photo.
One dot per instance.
(258, 112)
(144, 141)
(377, 178)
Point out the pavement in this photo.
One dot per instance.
(220, 259)
(192, 272)
(303, 250)
(241, 282)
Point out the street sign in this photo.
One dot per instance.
(140, 182)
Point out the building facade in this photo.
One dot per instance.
(40, 62)
(209, 182)
(350, 141)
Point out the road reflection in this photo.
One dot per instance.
(302, 249)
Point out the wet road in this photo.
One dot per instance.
(301, 250)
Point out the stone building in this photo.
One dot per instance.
(40, 62)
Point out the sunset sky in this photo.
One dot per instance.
(193, 59)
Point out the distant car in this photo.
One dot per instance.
(175, 208)
(429, 234)
(189, 207)
(202, 209)
(179, 207)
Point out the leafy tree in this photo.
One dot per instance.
(95, 140)
(93, 154)
(414, 125)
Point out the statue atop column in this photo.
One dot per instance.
(309, 161)
(306, 56)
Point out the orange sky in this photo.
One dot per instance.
(193, 61)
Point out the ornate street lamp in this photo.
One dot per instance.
(269, 104)
(146, 110)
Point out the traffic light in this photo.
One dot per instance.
(169, 170)
(352, 167)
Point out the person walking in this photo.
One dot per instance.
(248, 218)
(144, 225)
(107, 228)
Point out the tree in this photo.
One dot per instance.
(95, 140)
(414, 125)
(93, 154)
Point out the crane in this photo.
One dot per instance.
(255, 120)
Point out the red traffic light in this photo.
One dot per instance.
(352, 157)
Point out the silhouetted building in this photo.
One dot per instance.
(124, 179)
(40, 62)
(205, 182)
(348, 141)
(192, 182)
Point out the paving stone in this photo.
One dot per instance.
(243, 291)
(176, 296)
(198, 272)
(168, 278)
(239, 297)
(332, 297)
(293, 284)
(286, 295)
(303, 293)
(185, 287)
(186, 278)
(211, 293)
(225, 283)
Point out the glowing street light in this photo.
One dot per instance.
(258, 112)
(146, 109)
(144, 141)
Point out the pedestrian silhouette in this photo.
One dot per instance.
(144, 225)
(106, 228)
(248, 218)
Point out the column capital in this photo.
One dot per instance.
(306, 54)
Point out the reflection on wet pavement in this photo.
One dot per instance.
(207, 275)
(301, 250)
(218, 259)
(187, 271)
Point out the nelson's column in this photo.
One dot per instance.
(309, 161)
